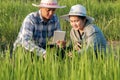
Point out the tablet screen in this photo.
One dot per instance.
(59, 35)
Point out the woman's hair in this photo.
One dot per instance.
(82, 17)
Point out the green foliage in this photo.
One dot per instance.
(83, 67)
(80, 67)
(106, 14)
(12, 15)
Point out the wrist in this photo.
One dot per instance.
(44, 52)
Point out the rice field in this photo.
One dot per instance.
(80, 67)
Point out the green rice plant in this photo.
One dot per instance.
(12, 12)
(80, 66)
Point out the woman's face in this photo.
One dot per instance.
(77, 23)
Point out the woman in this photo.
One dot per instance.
(84, 33)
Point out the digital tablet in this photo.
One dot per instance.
(59, 35)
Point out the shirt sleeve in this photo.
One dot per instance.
(27, 40)
(91, 39)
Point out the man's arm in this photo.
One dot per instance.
(27, 37)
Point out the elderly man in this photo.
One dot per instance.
(39, 26)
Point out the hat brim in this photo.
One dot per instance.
(57, 6)
(66, 17)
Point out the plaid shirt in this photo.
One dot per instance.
(35, 32)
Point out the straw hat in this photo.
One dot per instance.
(77, 10)
(48, 4)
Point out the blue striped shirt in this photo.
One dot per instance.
(35, 32)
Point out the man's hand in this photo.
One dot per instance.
(61, 44)
(44, 56)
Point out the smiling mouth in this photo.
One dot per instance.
(49, 17)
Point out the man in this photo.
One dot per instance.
(39, 26)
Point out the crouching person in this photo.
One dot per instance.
(39, 26)
(84, 33)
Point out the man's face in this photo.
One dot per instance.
(47, 13)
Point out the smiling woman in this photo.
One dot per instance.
(83, 31)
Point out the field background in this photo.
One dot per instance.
(84, 67)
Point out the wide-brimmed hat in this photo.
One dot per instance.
(48, 4)
(77, 10)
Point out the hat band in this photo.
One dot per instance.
(77, 13)
(51, 4)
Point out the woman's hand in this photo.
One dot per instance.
(70, 54)
(77, 46)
